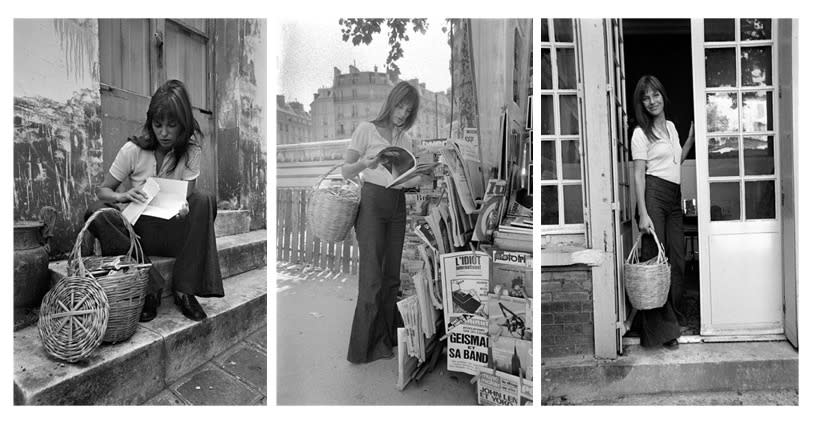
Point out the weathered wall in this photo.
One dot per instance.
(241, 115)
(567, 311)
(57, 125)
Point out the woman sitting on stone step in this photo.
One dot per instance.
(166, 148)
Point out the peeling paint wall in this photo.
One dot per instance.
(57, 124)
(241, 86)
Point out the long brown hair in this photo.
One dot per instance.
(645, 120)
(171, 102)
(403, 92)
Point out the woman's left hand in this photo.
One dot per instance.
(184, 211)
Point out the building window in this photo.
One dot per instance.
(561, 137)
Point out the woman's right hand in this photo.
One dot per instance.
(645, 223)
(370, 162)
(133, 195)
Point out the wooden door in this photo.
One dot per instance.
(737, 141)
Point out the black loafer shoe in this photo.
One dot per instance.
(672, 344)
(189, 306)
(149, 308)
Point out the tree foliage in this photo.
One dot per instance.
(363, 30)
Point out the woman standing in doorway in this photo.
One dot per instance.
(380, 225)
(658, 155)
(167, 148)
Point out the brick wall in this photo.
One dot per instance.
(567, 311)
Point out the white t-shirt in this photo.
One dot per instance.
(136, 165)
(368, 142)
(663, 156)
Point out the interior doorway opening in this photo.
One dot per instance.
(663, 48)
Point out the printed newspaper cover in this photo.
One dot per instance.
(509, 317)
(512, 355)
(468, 346)
(512, 273)
(498, 389)
(465, 278)
(490, 213)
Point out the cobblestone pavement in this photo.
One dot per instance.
(237, 376)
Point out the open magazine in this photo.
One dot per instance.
(402, 164)
(166, 197)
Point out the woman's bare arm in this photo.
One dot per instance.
(644, 220)
(106, 191)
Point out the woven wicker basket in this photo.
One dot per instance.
(647, 283)
(332, 209)
(124, 279)
(73, 318)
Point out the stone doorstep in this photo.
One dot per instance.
(691, 368)
(237, 254)
(158, 354)
(231, 222)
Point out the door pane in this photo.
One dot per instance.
(574, 213)
(547, 70)
(756, 66)
(124, 54)
(720, 67)
(550, 205)
(569, 114)
(757, 111)
(722, 112)
(760, 199)
(548, 160)
(571, 160)
(755, 29)
(545, 33)
(724, 201)
(548, 122)
(186, 61)
(758, 155)
(566, 62)
(723, 156)
(719, 30)
(563, 29)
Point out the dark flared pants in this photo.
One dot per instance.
(192, 241)
(380, 229)
(663, 201)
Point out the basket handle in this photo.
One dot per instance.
(76, 253)
(315, 186)
(634, 255)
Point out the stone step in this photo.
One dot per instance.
(236, 253)
(232, 222)
(745, 366)
(159, 353)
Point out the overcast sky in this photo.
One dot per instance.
(310, 49)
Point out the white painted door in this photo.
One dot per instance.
(738, 175)
(619, 145)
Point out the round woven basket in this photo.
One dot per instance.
(73, 318)
(124, 279)
(647, 283)
(332, 209)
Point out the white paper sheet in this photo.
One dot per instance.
(165, 198)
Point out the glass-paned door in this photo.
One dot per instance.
(735, 83)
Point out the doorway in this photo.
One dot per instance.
(663, 48)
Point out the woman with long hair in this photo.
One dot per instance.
(380, 224)
(166, 148)
(657, 155)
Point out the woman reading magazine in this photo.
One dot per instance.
(381, 223)
(167, 148)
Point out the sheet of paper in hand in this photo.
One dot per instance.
(166, 197)
(402, 164)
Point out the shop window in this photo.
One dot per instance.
(561, 136)
(740, 110)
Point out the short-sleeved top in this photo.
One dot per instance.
(663, 156)
(136, 165)
(368, 142)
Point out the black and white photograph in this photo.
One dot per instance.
(373, 258)
(669, 226)
(140, 226)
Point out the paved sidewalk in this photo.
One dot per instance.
(710, 398)
(314, 317)
(237, 376)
